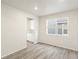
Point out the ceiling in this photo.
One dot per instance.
(45, 7)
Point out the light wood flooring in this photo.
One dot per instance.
(42, 51)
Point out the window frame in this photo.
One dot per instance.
(67, 18)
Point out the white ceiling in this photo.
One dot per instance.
(45, 7)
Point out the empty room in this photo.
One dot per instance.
(39, 29)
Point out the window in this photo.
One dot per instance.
(57, 26)
(51, 27)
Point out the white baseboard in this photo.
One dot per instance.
(12, 52)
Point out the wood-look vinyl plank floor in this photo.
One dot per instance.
(42, 51)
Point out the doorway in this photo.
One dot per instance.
(31, 30)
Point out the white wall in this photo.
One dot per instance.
(13, 28)
(71, 41)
